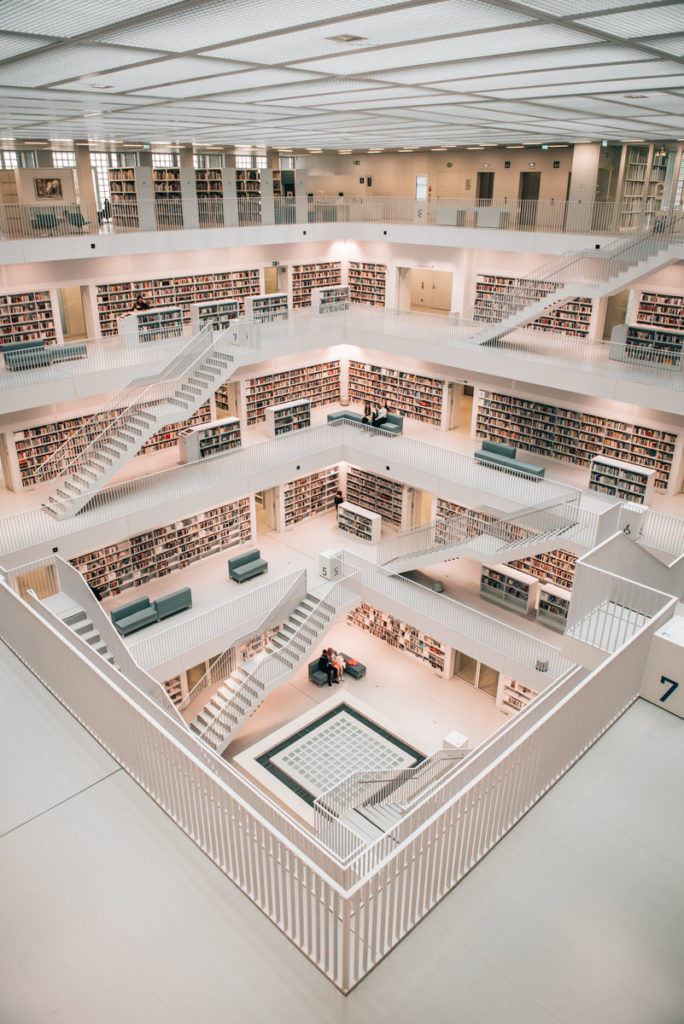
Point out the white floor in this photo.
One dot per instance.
(110, 913)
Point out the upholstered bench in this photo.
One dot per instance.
(244, 567)
(354, 668)
(61, 353)
(28, 358)
(393, 425)
(171, 604)
(316, 675)
(345, 414)
(134, 615)
(356, 671)
(497, 454)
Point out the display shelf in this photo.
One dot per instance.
(376, 493)
(281, 419)
(367, 282)
(151, 325)
(27, 316)
(306, 276)
(115, 299)
(512, 696)
(267, 307)
(330, 300)
(361, 523)
(130, 190)
(304, 498)
(573, 436)
(212, 438)
(509, 588)
(220, 313)
(661, 309)
(554, 603)
(320, 383)
(35, 444)
(621, 480)
(137, 560)
(573, 317)
(420, 398)
(400, 635)
(635, 343)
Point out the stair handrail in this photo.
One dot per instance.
(157, 392)
(369, 788)
(219, 669)
(122, 399)
(269, 668)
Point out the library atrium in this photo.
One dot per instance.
(342, 511)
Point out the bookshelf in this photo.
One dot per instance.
(33, 445)
(330, 300)
(27, 316)
(267, 307)
(661, 309)
(320, 383)
(554, 603)
(146, 556)
(147, 325)
(377, 494)
(636, 166)
(359, 522)
(557, 567)
(509, 588)
(573, 317)
(131, 196)
(287, 416)
(210, 191)
(117, 298)
(621, 480)
(367, 282)
(401, 635)
(427, 399)
(248, 183)
(306, 276)
(212, 438)
(572, 436)
(636, 343)
(512, 696)
(308, 496)
(220, 314)
(174, 689)
(167, 187)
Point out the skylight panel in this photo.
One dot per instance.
(225, 83)
(646, 21)
(573, 8)
(668, 44)
(147, 75)
(56, 65)
(71, 17)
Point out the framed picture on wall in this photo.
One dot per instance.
(48, 188)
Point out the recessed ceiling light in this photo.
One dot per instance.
(96, 113)
(315, 151)
(375, 151)
(345, 37)
(438, 149)
(635, 95)
(558, 145)
(344, 151)
(406, 149)
(633, 140)
(474, 147)
(515, 147)
(101, 85)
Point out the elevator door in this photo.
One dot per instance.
(430, 289)
(528, 194)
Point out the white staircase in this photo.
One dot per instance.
(75, 617)
(591, 273)
(82, 466)
(241, 692)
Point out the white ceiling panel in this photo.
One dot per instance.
(576, 8)
(647, 21)
(146, 75)
(225, 83)
(70, 18)
(633, 84)
(673, 45)
(563, 76)
(59, 64)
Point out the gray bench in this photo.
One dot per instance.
(320, 678)
(60, 353)
(171, 604)
(393, 425)
(26, 355)
(134, 615)
(244, 567)
(497, 454)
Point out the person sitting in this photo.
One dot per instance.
(140, 303)
(368, 411)
(325, 665)
(380, 416)
(337, 661)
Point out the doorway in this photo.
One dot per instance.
(71, 313)
(528, 194)
(485, 188)
(616, 311)
(431, 290)
(271, 279)
(476, 673)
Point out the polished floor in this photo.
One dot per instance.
(110, 914)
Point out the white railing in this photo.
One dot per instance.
(661, 532)
(283, 599)
(629, 217)
(606, 611)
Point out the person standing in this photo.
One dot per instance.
(339, 498)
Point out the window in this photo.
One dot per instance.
(203, 160)
(100, 163)
(287, 163)
(164, 159)
(421, 186)
(243, 161)
(63, 158)
(9, 160)
(129, 158)
(260, 161)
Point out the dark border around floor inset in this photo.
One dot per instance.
(265, 759)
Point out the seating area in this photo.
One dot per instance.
(135, 615)
(353, 668)
(58, 221)
(497, 454)
(246, 566)
(393, 425)
(27, 355)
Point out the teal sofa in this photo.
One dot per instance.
(244, 567)
(134, 615)
(26, 355)
(497, 454)
(171, 604)
(393, 425)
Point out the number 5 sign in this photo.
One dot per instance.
(663, 682)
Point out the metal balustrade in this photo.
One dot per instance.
(606, 610)
(662, 532)
(59, 220)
